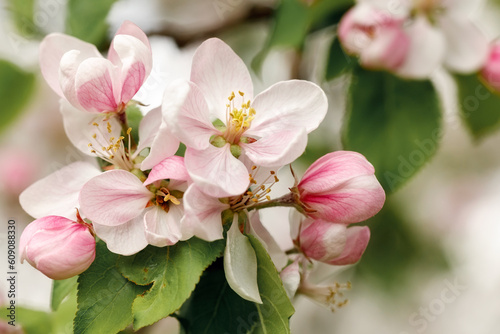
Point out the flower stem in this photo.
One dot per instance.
(286, 200)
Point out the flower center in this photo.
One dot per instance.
(430, 8)
(259, 192)
(109, 148)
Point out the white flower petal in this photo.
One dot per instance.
(163, 228)
(57, 194)
(125, 239)
(240, 264)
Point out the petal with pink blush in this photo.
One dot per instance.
(216, 171)
(288, 105)
(125, 239)
(57, 193)
(357, 241)
(114, 197)
(291, 278)
(202, 214)
(466, 46)
(163, 228)
(135, 60)
(322, 240)
(332, 170)
(240, 264)
(130, 29)
(97, 85)
(277, 149)
(164, 145)
(70, 62)
(218, 71)
(352, 202)
(186, 113)
(52, 49)
(170, 168)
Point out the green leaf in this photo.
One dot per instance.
(16, 88)
(215, 308)
(394, 123)
(276, 310)
(479, 106)
(22, 14)
(174, 272)
(134, 118)
(338, 61)
(105, 297)
(293, 21)
(86, 20)
(61, 289)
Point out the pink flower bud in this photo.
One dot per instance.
(59, 247)
(321, 240)
(491, 70)
(341, 187)
(376, 37)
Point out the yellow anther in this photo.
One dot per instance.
(254, 167)
(112, 138)
(248, 104)
(90, 144)
(249, 193)
(263, 187)
(251, 111)
(103, 148)
(241, 93)
(276, 179)
(94, 135)
(255, 200)
(95, 124)
(273, 172)
(268, 190)
(129, 130)
(92, 151)
(268, 197)
(230, 98)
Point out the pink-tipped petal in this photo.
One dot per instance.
(131, 29)
(163, 228)
(57, 193)
(171, 168)
(186, 113)
(341, 187)
(277, 149)
(114, 198)
(97, 85)
(322, 240)
(288, 105)
(202, 215)
(216, 171)
(135, 60)
(357, 241)
(333, 169)
(58, 247)
(218, 71)
(52, 49)
(125, 239)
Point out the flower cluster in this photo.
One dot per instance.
(144, 194)
(413, 38)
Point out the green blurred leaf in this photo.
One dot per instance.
(105, 297)
(174, 272)
(479, 106)
(86, 20)
(276, 310)
(22, 15)
(396, 250)
(215, 308)
(394, 122)
(134, 118)
(61, 289)
(338, 62)
(294, 19)
(16, 88)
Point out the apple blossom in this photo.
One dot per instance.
(490, 72)
(377, 37)
(226, 130)
(435, 33)
(128, 213)
(77, 72)
(340, 187)
(58, 247)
